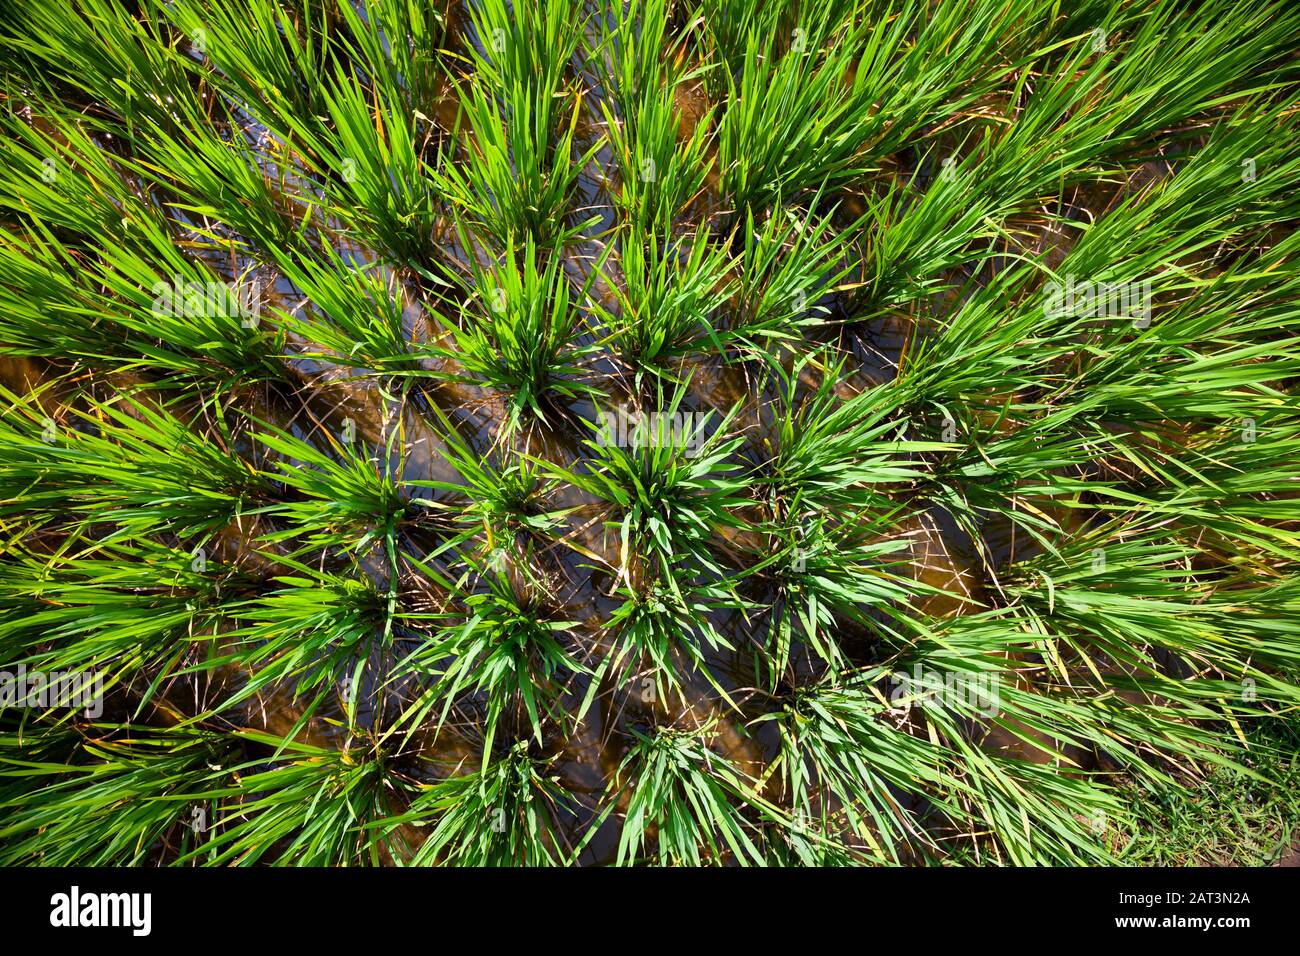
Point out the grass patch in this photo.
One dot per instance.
(688, 432)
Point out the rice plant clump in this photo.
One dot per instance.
(656, 431)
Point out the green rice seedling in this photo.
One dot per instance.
(824, 580)
(521, 332)
(313, 633)
(377, 156)
(85, 49)
(133, 466)
(354, 137)
(127, 614)
(414, 70)
(521, 120)
(826, 454)
(112, 798)
(667, 628)
(667, 480)
(728, 26)
(659, 176)
(1092, 599)
(501, 814)
(842, 765)
(670, 297)
(358, 319)
(270, 55)
(347, 491)
(786, 265)
(503, 493)
(505, 646)
(514, 186)
(119, 298)
(795, 125)
(318, 805)
(693, 799)
(819, 105)
(525, 46)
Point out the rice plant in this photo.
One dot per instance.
(677, 432)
